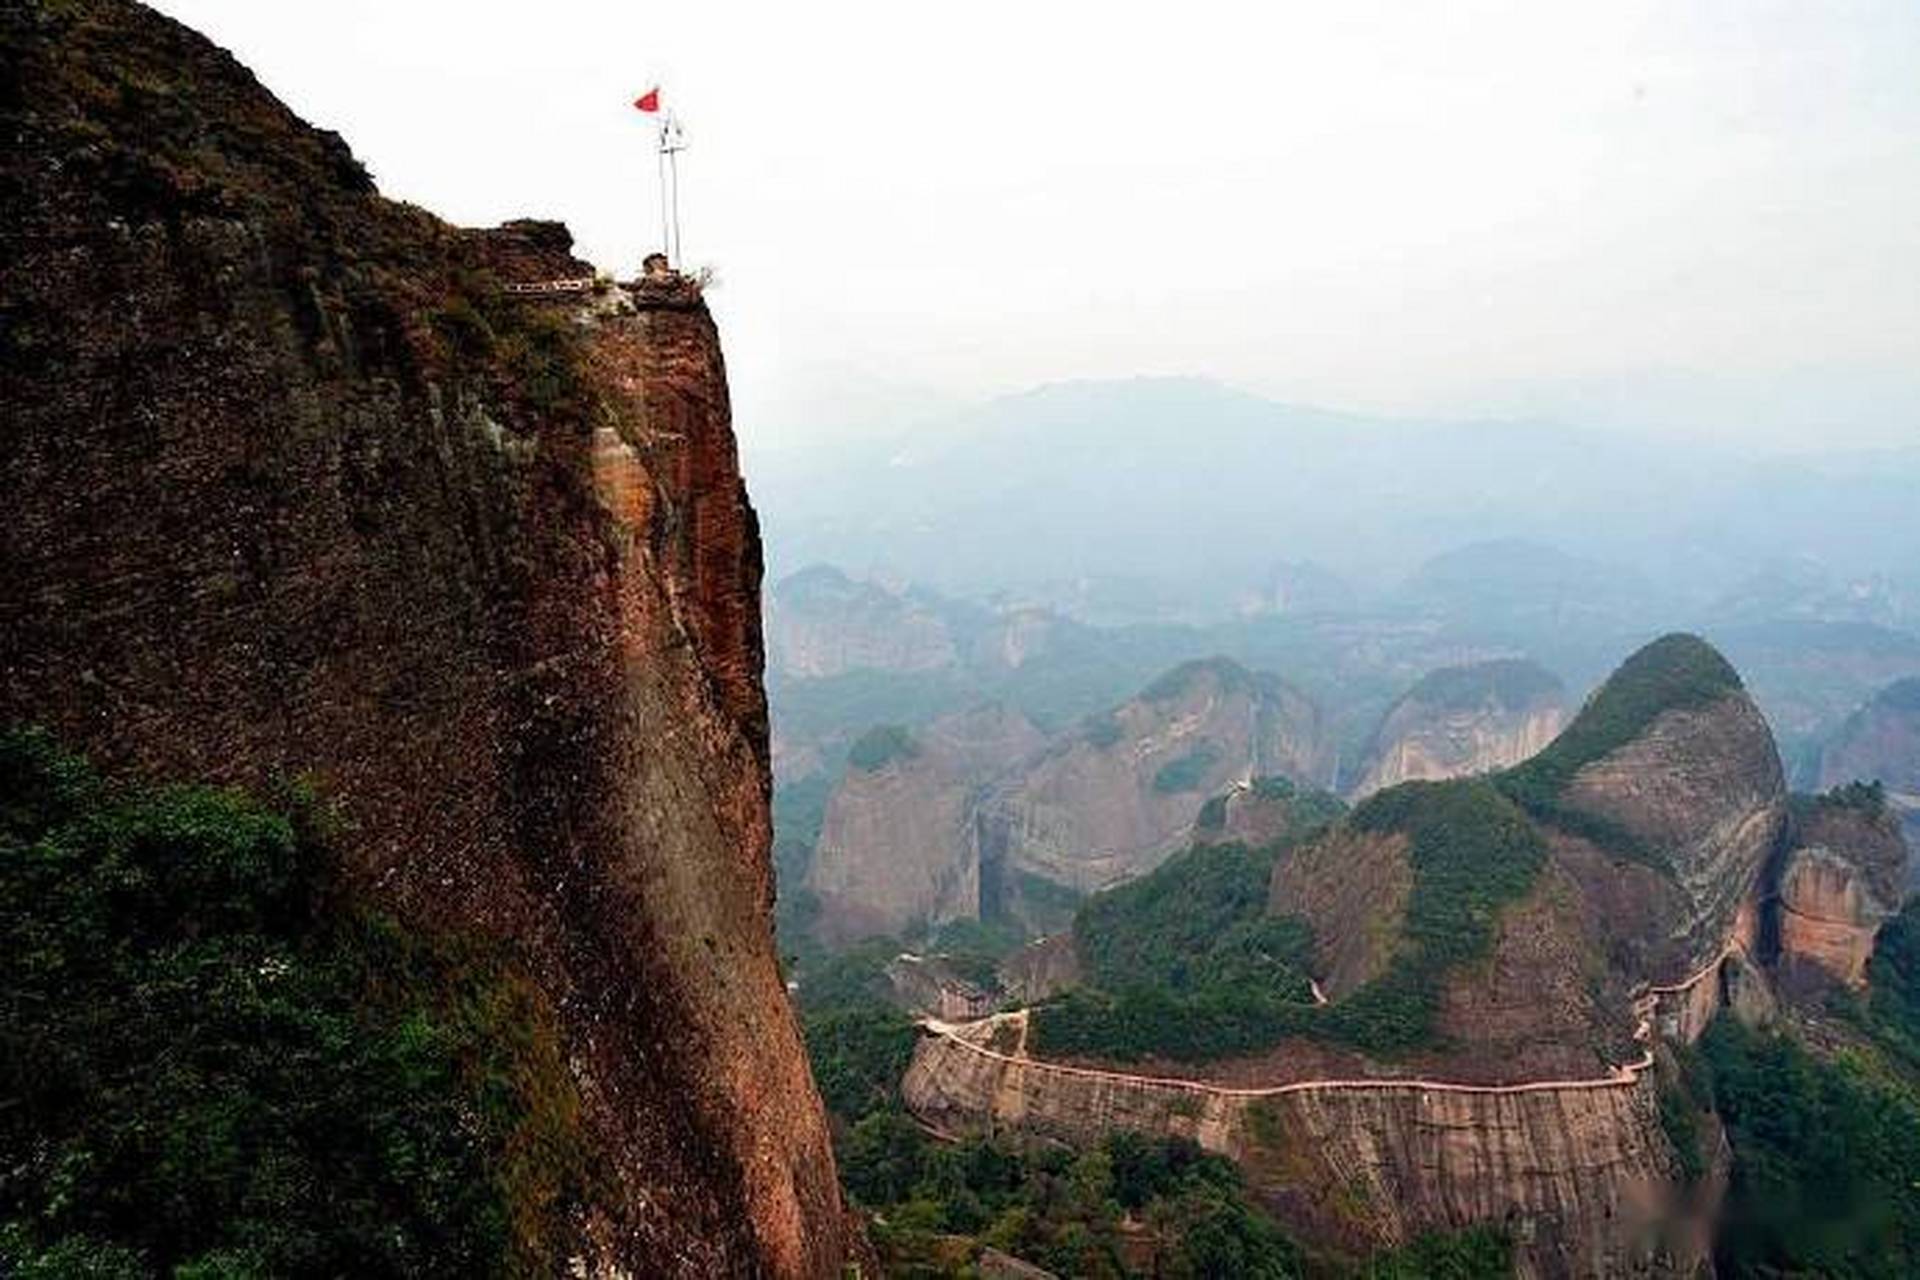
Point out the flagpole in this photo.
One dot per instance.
(673, 168)
(660, 161)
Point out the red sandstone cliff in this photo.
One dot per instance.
(293, 489)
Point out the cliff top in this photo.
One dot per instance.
(1676, 672)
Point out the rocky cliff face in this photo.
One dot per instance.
(1690, 776)
(895, 848)
(295, 490)
(1845, 875)
(1115, 797)
(822, 623)
(1579, 1173)
(1465, 720)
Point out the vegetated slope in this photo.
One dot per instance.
(294, 489)
(213, 1068)
(1464, 720)
(1118, 795)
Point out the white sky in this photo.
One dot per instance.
(1653, 213)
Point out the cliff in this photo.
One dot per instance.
(895, 848)
(1115, 797)
(1844, 876)
(1578, 1170)
(1670, 763)
(296, 490)
(1460, 721)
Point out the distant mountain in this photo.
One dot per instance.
(1172, 499)
(1460, 721)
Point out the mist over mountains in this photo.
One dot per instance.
(1175, 498)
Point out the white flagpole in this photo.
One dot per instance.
(660, 162)
(672, 142)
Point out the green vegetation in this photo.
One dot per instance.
(1869, 798)
(1481, 1253)
(1891, 1011)
(881, 746)
(210, 1066)
(1197, 915)
(1186, 964)
(938, 1206)
(1186, 772)
(1213, 814)
(1826, 1160)
(1675, 672)
(799, 809)
(1680, 1122)
(1473, 853)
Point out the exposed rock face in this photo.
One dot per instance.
(1842, 880)
(896, 847)
(293, 490)
(1465, 720)
(1352, 888)
(1699, 786)
(1116, 797)
(1040, 969)
(822, 623)
(1881, 743)
(1579, 1173)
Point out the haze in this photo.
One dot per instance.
(1695, 219)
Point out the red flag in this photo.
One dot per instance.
(648, 101)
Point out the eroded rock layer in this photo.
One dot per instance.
(1844, 877)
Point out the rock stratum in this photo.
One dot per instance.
(1844, 876)
(1460, 721)
(295, 489)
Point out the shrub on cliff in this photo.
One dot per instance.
(210, 1066)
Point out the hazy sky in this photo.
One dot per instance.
(1654, 213)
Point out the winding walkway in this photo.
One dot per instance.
(1644, 1006)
